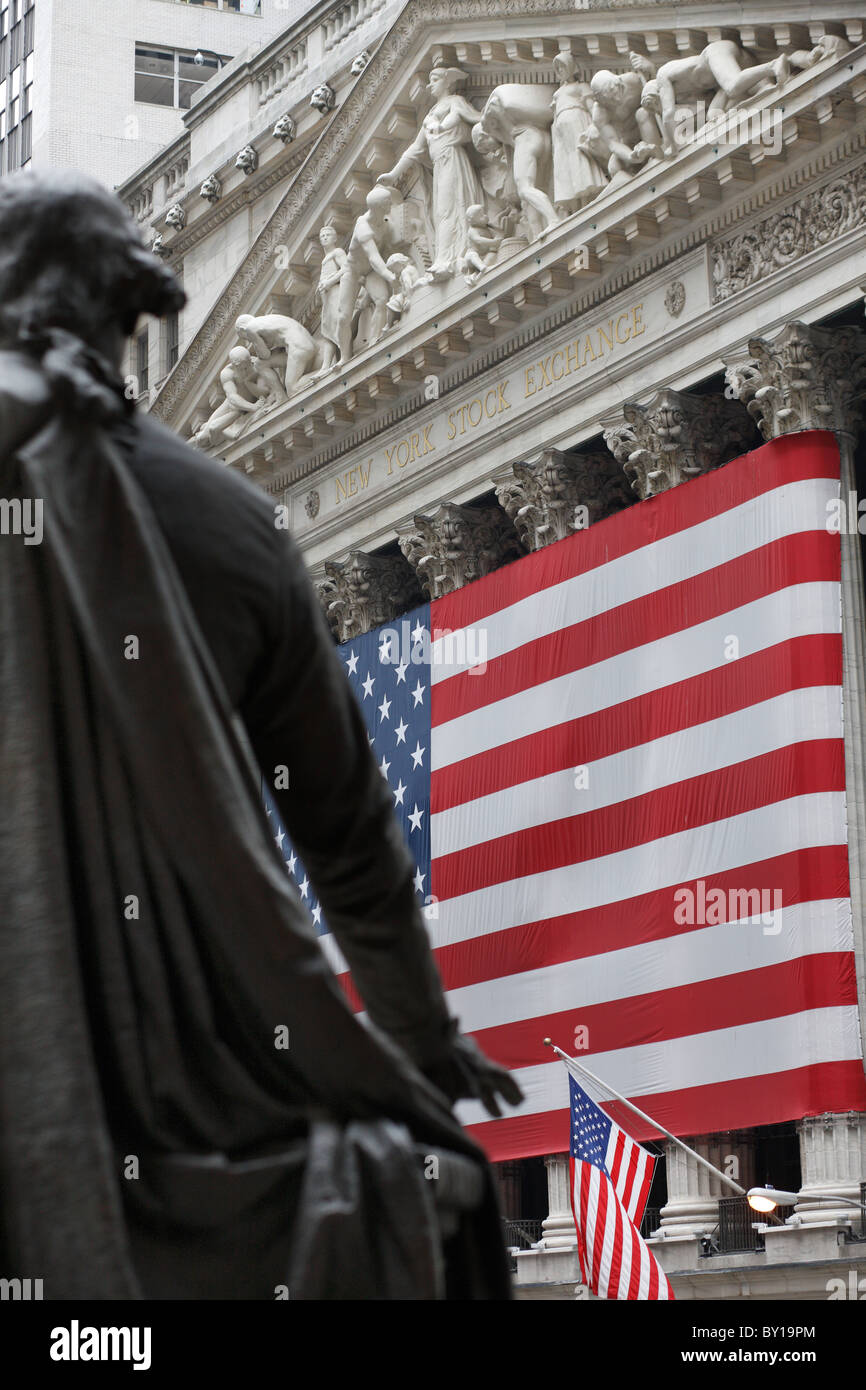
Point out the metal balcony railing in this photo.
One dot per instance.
(521, 1235)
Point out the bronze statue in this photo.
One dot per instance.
(190, 1108)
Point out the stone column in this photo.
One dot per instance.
(456, 544)
(676, 437)
(814, 378)
(833, 1161)
(692, 1207)
(554, 494)
(558, 1231)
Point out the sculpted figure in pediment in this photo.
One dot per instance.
(519, 116)
(441, 147)
(366, 282)
(250, 387)
(623, 135)
(333, 267)
(407, 277)
(577, 175)
(486, 241)
(271, 336)
(723, 71)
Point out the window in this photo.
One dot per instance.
(172, 340)
(141, 360)
(166, 77)
(236, 6)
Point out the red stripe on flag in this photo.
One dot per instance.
(728, 1001)
(808, 557)
(794, 458)
(743, 1103)
(792, 665)
(805, 875)
(816, 765)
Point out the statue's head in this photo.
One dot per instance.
(328, 236)
(484, 143)
(476, 216)
(443, 81)
(71, 257)
(564, 67)
(612, 88)
(240, 358)
(379, 198)
(243, 325)
(397, 263)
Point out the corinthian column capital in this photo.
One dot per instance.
(455, 544)
(363, 591)
(805, 378)
(676, 437)
(556, 494)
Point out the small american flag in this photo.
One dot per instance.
(610, 1182)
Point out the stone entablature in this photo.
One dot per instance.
(437, 320)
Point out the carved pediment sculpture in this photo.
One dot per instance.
(359, 63)
(442, 142)
(158, 246)
(504, 153)
(722, 74)
(250, 386)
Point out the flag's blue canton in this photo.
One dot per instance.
(389, 671)
(590, 1128)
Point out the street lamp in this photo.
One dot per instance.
(766, 1199)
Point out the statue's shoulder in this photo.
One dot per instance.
(175, 473)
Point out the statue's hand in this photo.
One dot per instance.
(464, 1073)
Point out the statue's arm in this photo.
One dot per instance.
(417, 153)
(338, 810)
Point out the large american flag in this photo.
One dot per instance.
(610, 1182)
(588, 740)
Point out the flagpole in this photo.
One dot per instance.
(579, 1067)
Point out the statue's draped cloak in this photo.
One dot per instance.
(153, 953)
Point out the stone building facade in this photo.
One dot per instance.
(490, 271)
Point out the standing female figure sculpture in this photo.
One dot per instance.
(333, 265)
(441, 143)
(577, 176)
